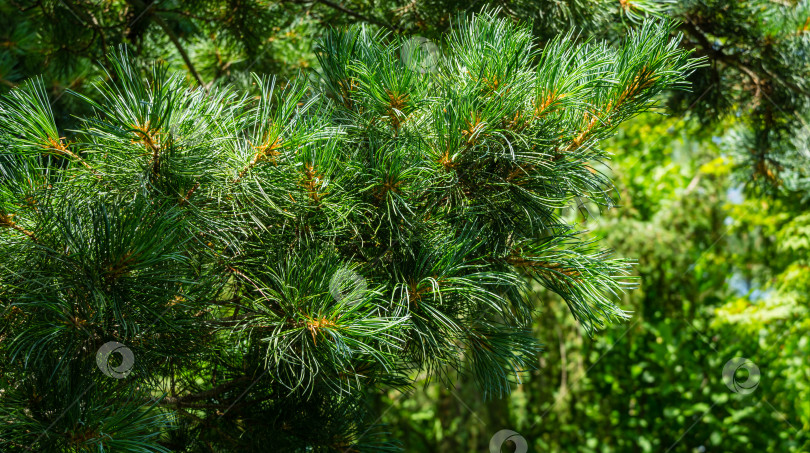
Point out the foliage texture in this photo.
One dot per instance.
(271, 256)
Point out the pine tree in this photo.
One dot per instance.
(216, 270)
(757, 52)
(66, 41)
(759, 67)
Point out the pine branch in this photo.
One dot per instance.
(348, 230)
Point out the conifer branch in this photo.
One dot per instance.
(454, 180)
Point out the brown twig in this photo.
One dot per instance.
(210, 393)
(179, 46)
(7, 222)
